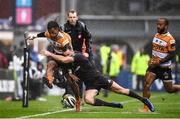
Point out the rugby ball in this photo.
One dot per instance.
(68, 101)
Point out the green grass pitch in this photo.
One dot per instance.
(167, 106)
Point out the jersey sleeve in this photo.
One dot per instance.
(172, 45)
(42, 34)
(66, 40)
(47, 35)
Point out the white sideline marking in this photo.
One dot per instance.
(43, 114)
(66, 110)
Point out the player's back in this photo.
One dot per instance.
(83, 68)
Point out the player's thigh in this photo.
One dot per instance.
(167, 79)
(118, 89)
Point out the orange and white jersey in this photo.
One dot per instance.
(59, 42)
(161, 46)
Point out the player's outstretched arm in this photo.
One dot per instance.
(64, 59)
(29, 36)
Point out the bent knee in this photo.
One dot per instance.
(51, 63)
(146, 87)
(89, 100)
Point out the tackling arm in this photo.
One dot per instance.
(64, 59)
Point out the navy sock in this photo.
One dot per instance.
(135, 95)
(99, 102)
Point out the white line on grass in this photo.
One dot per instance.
(43, 114)
(67, 110)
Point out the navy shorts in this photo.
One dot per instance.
(163, 73)
(98, 83)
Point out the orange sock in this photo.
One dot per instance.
(50, 79)
(78, 104)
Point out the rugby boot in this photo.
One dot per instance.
(148, 103)
(117, 105)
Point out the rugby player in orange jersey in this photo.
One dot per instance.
(60, 42)
(163, 51)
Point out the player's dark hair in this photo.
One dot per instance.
(52, 24)
(165, 20)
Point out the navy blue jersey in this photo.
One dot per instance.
(87, 72)
(83, 68)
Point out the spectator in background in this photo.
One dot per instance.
(120, 57)
(3, 61)
(104, 50)
(5, 53)
(111, 62)
(139, 66)
(97, 57)
(36, 72)
(19, 50)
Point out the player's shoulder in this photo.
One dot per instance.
(66, 35)
(47, 34)
(156, 35)
(165, 37)
(170, 36)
